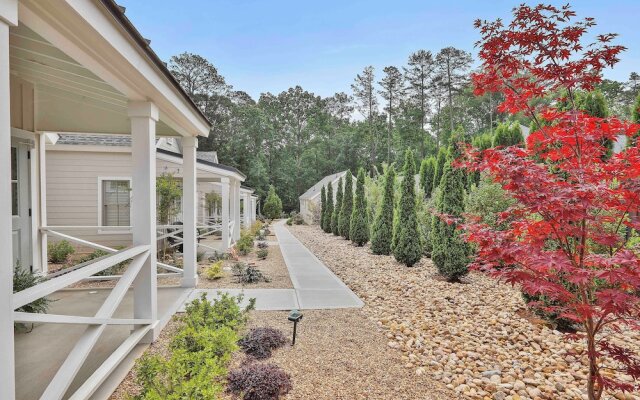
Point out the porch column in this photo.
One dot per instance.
(189, 213)
(235, 203)
(144, 116)
(8, 17)
(224, 195)
(247, 210)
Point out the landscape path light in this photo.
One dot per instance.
(295, 316)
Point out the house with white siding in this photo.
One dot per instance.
(80, 67)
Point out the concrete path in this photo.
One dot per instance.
(315, 286)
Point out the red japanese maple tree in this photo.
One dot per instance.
(567, 236)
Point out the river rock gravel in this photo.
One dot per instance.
(472, 337)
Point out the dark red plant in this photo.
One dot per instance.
(567, 236)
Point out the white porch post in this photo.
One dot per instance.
(8, 17)
(224, 195)
(189, 213)
(144, 116)
(247, 210)
(235, 203)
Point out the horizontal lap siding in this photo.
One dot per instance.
(72, 191)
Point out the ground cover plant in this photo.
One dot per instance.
(259, 381)
(259, 343)
(247, 273)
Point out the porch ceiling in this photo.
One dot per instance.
(69, 96)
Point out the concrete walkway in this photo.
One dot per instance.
(315, 286)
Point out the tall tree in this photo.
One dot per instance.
(419, 73)
(359, 229)
(453, 70)
(335, 218)
(367, 103)
(407, 241)
(344, 221)
(441, 160)
(392, 88)
(323, 206)
(382, 230)
(427, 175)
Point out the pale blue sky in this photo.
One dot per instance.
(271, 45)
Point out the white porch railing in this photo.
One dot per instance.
(232, 225)
(174, 233)
(96, 324)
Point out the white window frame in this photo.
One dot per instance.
(100, 223)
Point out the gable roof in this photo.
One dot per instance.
(315, 189)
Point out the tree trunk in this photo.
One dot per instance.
(450, 95)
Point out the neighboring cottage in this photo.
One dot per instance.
(310, 200)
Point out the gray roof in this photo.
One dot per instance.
(95, 140)
(315, 189)
(210, 156)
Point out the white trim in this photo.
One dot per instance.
(100, 224)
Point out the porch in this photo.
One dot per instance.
(71, 66)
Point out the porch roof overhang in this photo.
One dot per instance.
(223, 171)
(87, 63)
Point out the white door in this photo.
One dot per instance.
(20, 204)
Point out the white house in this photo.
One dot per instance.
(89, 189)
(310, 200)
(79, 66)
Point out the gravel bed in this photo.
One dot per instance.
(273, 267)
(341, 354)
(472, 337)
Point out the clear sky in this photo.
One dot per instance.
(271, 45)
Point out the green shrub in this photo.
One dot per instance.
(272, 208)
(199, 353)
(259, 343)
(259, 381)
(344, 222)
(247, 273)
(23, 279)
(487, 201)
(329, 210)
(59, 252)
(289, 221)
(262, 245)
(214, 271)
(440, 162)
(427, 175)
(262, 254)
(168, 195)
(359, 229)
(450, 253)
(323, 207)
(407, 241)
(245, 243)
(335, 217)
(508, 134)
(382, 232)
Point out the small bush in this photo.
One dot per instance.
(259, 381)
(93, 256)
(218, 256)
(289, 221)
(23, 279)
(263, 245)
(213, 271)
(245, 243)
(297, 219)
(60, 251)
(247, 273)
(260, 342)
(262, 253)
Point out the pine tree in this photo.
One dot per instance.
(427, 175)
(344, 222)
(359, 229)
(382, 232)
(328, 212)
(408, 249)
(323, 206)
(450, 252)
(440, 161)
(335, 218)
(272, 208)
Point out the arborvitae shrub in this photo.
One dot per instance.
(440, 161)
(427, 175)
(323, 206)
(450, 252)
(272, 208)
(335, 217)
(382, 232)
(344, 222)
(508, 134)
(329, 208)
(408, 246)
(359, 230)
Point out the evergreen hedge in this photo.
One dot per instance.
(328, 212)
(335, 217)
(344, 222)
(359, 229)
(323, 206)
(408, 248)
(427, 175)
(440, 161)
(382, 232)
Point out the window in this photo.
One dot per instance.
(116, 202)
